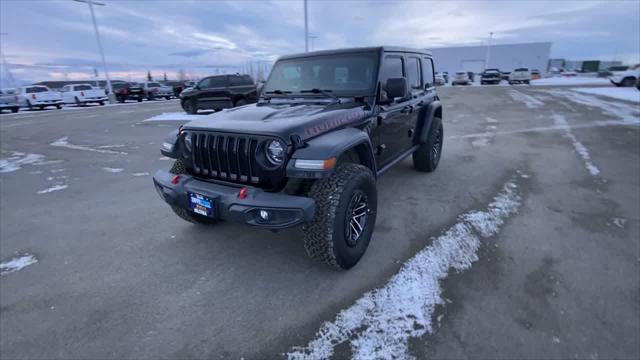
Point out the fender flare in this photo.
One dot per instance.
(432, 110)
(172, 139)
(333, 144)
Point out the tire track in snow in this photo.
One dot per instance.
(560, 120)
(380, 323)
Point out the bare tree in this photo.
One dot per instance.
(149, 78)
(165, 76)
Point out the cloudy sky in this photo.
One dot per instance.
(55, 40)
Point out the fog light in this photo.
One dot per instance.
(264, 215)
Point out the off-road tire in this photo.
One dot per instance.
(178, 168)
(190, 106)
(425, 159)
(628, 82)
(324, 236)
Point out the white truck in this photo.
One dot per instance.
(520, 75)
(82, 94)
(38, 96)
(9, 100)
(626, 78)
(154, 90)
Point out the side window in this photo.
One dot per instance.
(218, 81)
(392, 68)
(238, 80)
(427, 72)
(204, 83)
(413, 73)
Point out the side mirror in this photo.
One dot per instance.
(396, 88)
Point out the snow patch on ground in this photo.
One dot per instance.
(628, 113)
(140, 174)
(17, 263)
(53, 188)
(165, 158)
(620, 93)
(491, 120)
(480, 142)
(619, 222)
(18, 159)
(560, 120)
(64, 142)
(529, 101)
(569, 81)
(380, 323)
(112, 170)
(174, 116)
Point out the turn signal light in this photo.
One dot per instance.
(243, 193)
(175, 180)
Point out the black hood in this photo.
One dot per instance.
(283, 120)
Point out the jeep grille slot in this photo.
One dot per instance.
(224, 157)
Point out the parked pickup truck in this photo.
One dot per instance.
(82, 94)
(519, 76)
(127, 91)
(9, 100)
(219, 92)
(154, 90)
(38, 96)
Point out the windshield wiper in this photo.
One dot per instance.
(326, 93)
(278, 92)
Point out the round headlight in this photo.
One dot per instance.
(187, 142)
(275, 152)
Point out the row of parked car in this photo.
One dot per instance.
(489, 76)
(41, 96)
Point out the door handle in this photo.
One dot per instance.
(407, 109)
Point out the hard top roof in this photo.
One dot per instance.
(356, 50)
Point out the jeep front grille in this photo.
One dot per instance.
(224, 157)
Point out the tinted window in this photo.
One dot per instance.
(344, 73)
(204, 83)
(392, 68)
(236, 80)
(521, 69)
(82, 87)
(153, 84)
(36, 89)
(427, 71)
(219, 81)
(118, 86)
(413, 73)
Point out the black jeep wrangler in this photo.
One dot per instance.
(308, 153)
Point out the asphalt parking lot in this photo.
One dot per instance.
(118, 275)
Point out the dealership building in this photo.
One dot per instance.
(505, 57)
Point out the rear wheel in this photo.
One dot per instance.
(167, 97)
(178, 168)
(427, 157)
(139, 99)
(58, 107)
(15, 109)
(120, 98)
(345, 215)
(101, 103)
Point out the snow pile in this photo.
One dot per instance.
(620, 93)
(64, 142)
(53, 188)
(627, 113)
(18, 159)
(570, 81)
(174, 116)
(529, 101)
(560, 120)
(17, 263)
(380, 323)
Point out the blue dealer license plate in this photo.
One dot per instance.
(200, 204)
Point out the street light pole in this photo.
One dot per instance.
(486, 63)
(306, 28)
(313, 38)
(112, 98)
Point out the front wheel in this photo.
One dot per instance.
(101, 103)
(628, 82)
(345, 215)
(58, 107)
(167, 97)
(179, 168)
(427, 157)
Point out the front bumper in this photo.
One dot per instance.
(285, 211)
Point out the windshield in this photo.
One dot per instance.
(345, 74)
(83, 87)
